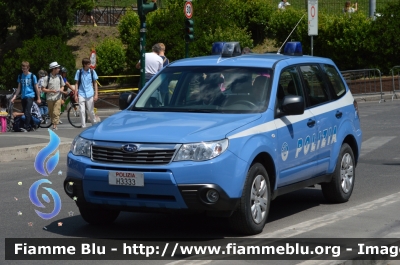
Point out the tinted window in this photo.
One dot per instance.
(314, 88)
(208, 89)
(335, 80)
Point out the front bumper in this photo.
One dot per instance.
(173, 187)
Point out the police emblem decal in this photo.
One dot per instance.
(284, 151)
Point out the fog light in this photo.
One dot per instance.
(69, 188)
(212, 196)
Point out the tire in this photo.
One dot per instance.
(46, 121)
(98, 216)
(74, 116)
(256, 187)
(341, 186)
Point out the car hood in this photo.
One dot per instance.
(167, 127)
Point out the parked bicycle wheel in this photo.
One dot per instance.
(74, 116)
(46, 123)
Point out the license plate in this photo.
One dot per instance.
(125, 178)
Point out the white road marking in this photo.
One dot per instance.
(310, 225)
(374, 143)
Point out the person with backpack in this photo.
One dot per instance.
(27, 85)
(86, 90)
(44, 110)
(54, 87)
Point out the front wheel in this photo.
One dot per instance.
(98, 216)
(74, 116)
(252, 212)
(341, 186)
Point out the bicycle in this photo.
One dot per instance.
(73, 114)
(67, 102)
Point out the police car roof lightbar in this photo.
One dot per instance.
(279, 51)
(231, 49)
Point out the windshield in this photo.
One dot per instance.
(207, 89)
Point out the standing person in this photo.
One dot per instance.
(162, 54)
(54, 87)
(90, 14)
(3, 114)
(282, 5)
(63, 72)
(246, 50)
(27, 85)
(153, 63)
(348, 8)
(44, 110)
(86, 90)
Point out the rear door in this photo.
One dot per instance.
(325, 109)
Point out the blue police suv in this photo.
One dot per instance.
(221, 135)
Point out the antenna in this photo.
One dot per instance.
(279, 51)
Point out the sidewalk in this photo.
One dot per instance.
(26, 145)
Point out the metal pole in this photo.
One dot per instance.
(187, 50)
(142, 51)
(312, 45)
(372, 8)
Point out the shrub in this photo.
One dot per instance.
(212, 23)
(110, 57)
(39, 52)
(128, 28)
(384, 37)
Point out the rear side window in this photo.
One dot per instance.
(335, 80)
(315, 88)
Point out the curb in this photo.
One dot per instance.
(28, 151)
(386, 97)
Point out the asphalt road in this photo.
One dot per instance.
(372, 211)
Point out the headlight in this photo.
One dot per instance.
(201, 151)
(81, 147)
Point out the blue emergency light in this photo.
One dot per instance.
(217, 48)
(293, 48)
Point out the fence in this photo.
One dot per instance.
(334, 6)
(395, 73)
(104, 15)
(364, 81)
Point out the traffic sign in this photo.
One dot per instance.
(312, 17)
(93, 59)
(188, 10)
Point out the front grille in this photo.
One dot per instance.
(115, 155)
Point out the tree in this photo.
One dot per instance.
(45, 18)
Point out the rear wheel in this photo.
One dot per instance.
(46, 123)
(341, 186)
(74, 116)
(252, 212)
(98, 216)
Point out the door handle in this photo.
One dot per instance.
(338, 114)
(311, 123)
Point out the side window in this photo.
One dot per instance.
(335, 80)
(289, 83)
(314, 84)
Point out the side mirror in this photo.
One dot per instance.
(125, 99)
(292, 105)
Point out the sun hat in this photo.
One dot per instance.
(53, 65)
